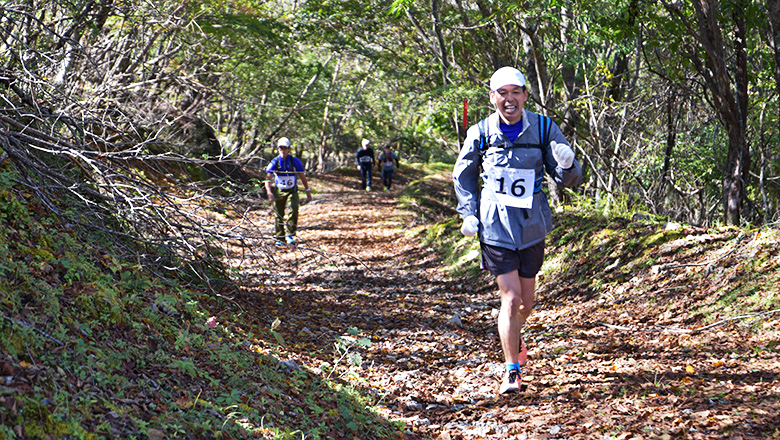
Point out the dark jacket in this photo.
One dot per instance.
(365, 157)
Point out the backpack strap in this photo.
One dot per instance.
(282, 166)
(545, 125)
(483, 136)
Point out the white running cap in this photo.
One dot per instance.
(506, 76)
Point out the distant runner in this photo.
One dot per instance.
(387, 163)
(284, 171)
(365, 161)
(508, 153)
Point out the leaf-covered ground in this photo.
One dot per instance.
(363, 330)
(629, 338)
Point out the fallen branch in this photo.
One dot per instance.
(739, 238)
(685, 330)
(735, 318)
(24, 324)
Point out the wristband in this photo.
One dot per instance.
(308, 190)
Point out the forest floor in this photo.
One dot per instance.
(625, 362)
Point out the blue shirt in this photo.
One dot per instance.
(284, 171)
(511, 131)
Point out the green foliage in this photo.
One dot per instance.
(96, 325)
(755, 284)
(426, 196)
(184, 366)
(277, 336)
(347, 348)
(12, 211)
(460, 253)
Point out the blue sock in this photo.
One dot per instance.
(515, 366)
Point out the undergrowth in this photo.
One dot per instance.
(619, 252)
(431, 196)
(94, 346)
(706, 275)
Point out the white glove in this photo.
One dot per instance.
(470, 226)
(562, 154)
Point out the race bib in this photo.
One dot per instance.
(513, 187)
(285, 182)
(365, 159)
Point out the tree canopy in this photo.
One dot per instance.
(670, 106)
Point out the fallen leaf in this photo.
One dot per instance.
(155, 434)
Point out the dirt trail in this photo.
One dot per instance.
(435, 359)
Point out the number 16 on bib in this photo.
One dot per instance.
(513, 187)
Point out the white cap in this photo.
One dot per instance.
(506, 76)
(366, 142)
(283, 142)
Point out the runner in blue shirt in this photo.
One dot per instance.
(281, 184)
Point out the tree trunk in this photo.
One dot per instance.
(571, 84)
(442, 47)
(537, 76)
(671, 136)
(620, 65)
(774, 24)
(729, 103)
(740, 50)
(325, 133)
(733, 186)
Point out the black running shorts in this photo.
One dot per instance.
(500, 260)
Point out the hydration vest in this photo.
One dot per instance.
(545, 124)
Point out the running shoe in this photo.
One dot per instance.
(290, 239)
(511, 383)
